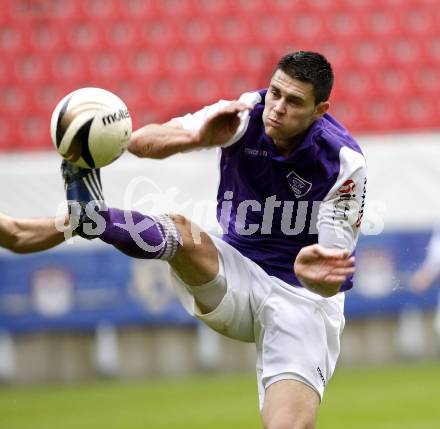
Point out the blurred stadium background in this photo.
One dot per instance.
(83, 310)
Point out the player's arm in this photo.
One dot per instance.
(28, 235)
(429, 270)
(324, 267)
(212, 126)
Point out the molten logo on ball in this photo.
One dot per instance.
(91, 127)
(115, 117)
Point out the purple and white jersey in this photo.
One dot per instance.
(270, 207)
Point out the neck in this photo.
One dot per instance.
(287, 147)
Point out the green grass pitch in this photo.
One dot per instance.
(400, 397)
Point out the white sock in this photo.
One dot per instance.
(209, 295)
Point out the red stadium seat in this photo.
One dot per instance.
(130, 93)
(341, 23)
(119, 35)
(267, 29)
(94, 11)
(200, 31)
(432, 48)
(248, 8)
(376, 20)
(136, 9)
(14, 99)
(237, 84)
(215, 7)
(349, 112)
(419, 20)
(105, 66)
(367, 51)
(338, 53)
(159, 34)
(84, 36)
(425, 78)
(8, 132)
(305, 29)
(30, 68)
(48, 95)
(357, 82)
(419, 111)
(167, 89)
(381, 114)
(143, 65)
(217, 60)
(68, 68)
(232, 29)
(393, 81)
(203, 90)
(174, 7)
(45, 37)
(403, 50)
(180, 54)
(12, 39)
(180, 61)
(33, 132)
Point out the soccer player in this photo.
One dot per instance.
(429, 271)
(290, 203)
(28, 235)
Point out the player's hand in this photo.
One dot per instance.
(422, 280)
(323, 270)
(221, 127)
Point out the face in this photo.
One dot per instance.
(290, 107)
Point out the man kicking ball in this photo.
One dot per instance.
(290, 203)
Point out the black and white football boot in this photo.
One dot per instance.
(84, 198)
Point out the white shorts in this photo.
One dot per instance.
(297, 332)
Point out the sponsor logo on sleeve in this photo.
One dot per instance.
(361, 210)
(348, 206)
(347, 187)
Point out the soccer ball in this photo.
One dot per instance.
(90, 127)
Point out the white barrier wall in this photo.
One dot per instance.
(403, 183)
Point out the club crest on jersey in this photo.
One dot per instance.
(299, 186)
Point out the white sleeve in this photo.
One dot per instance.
(195, 121)
(432, 259)
(340, 214)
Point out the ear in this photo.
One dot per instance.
(321, 108)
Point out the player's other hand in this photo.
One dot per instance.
(323, 270)
(221, 127)
(423, 279)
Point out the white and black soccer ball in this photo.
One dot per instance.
(90, 127)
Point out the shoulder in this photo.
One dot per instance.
(253, 97)
(249, 120)
(336, 147)
(194, 121)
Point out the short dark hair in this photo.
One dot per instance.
(310, 67)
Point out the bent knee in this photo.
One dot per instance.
(180, 221)
(190, 233)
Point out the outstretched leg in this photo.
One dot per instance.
(190, 251)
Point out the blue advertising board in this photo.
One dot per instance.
(79, 289)
(76, 289)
